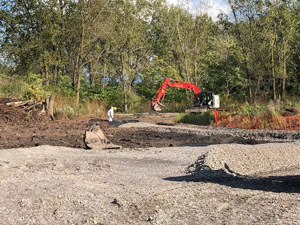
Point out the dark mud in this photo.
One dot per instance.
(58, 133)
(137, 137)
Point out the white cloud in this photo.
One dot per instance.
(211, 7)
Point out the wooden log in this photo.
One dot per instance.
(19, 103)
(33, 106)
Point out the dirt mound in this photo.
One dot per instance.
(27, 129)
(255, 161)
(13, 115)
(10, 114)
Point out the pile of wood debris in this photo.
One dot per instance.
(45, 107)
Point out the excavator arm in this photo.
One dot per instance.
(169, 82)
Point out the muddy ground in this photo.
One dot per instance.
(20, 129)
(163, 175)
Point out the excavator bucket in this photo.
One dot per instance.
(156, 108)
(95, 139)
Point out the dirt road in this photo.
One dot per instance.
(58, 185)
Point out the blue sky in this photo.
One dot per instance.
(211, 7)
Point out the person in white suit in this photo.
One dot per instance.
(110, 113)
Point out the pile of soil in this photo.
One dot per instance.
(10, 114)
(58, 133)
(27, 129)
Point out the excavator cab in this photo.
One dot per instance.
(205, 98)
(209, 99)
(204, 101)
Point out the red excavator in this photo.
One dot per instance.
(203, 100)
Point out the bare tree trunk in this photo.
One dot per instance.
(57, 78)
(273, 69)
(91, 74)
(285, 49)
(249, 86)
(284, 80)
(78, 63)
(257, 88)
(48, 107)
(195, 65)
(46, 73)
(125, 99)
(77, 91)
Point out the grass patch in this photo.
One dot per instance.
(205, 119)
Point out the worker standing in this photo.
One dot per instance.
(110, 113)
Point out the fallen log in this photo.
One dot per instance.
(33, 106)
(19, 103)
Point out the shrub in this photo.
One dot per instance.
(35, 90)
(206, 118)
(14, 87)
(252, 109)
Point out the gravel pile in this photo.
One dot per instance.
(249, 160)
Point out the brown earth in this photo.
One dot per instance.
(22, 129)
(27, 129)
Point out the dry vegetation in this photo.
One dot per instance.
(66, 108)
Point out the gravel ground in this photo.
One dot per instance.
(59, 185)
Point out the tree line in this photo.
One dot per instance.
(131, 46)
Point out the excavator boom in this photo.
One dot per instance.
(169, 82)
